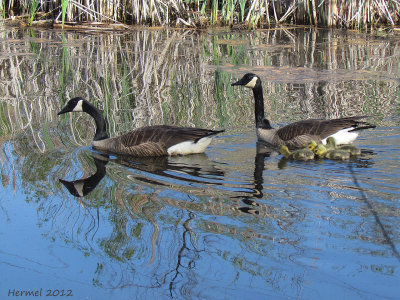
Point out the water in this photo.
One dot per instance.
(238, 222)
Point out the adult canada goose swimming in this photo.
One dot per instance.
(299, 134)
(156, 140)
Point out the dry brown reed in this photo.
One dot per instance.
(251, 13)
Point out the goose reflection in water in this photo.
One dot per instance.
(195, 168)
(263, 152)
(82, 187)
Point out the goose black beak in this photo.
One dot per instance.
(63, 111)
(240, 82)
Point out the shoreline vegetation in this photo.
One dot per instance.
(242, 14)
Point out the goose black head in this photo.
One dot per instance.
(249, 80)
(75, 104)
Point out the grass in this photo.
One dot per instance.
(359, 14)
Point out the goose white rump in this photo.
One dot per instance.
(190, 147)
(344, 136)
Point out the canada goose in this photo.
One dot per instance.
(337, 154)
(312, 145)
(156, 140)
(331, 143)
(352, 149)
(334, 154)
(300, 154)
(298, 134)
(320, 151)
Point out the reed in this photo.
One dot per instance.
(359, 14)
(33, 6)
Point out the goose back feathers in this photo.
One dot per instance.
(299, 134)
(156, 140)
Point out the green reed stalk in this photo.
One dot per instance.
(214, 11)
(64, 5)
(33, 5)
(228, 9)
(242, 5)
(203, 8)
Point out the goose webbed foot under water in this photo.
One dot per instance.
(158, 140)
(299, 134)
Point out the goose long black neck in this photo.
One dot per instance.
(101, 123)
(261, 122)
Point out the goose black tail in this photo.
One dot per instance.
(368, 126)
(210, 133)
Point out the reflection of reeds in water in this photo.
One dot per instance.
(324, 74)
(167, 77)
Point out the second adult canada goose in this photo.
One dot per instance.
(158, 140)
(299, 134)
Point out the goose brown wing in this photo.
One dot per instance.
(146, 149)
(164, 135)
(317, 128)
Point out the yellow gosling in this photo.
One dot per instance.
(330, 143)
(301, 154)
(353, 150)
(320, 151)
(312, 145)
(338, 154)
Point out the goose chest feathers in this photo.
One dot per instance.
(159, 140)
(299, 134)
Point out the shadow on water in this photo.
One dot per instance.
(370, 206)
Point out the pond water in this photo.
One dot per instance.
(238, 222)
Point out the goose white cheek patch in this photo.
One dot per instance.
(252, 83)
(78, 107)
